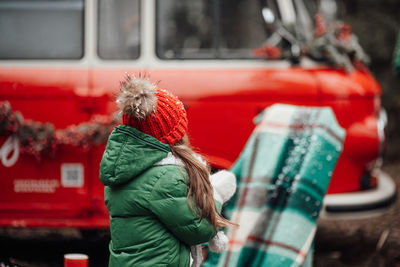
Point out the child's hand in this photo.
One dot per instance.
(224, 185)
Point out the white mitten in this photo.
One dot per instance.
(219, 243)
(224, 185)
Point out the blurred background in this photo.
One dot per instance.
(377, 25)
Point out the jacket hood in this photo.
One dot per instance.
(128, 153)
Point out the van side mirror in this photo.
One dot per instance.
(268, 16)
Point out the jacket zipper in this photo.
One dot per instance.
(141, 139)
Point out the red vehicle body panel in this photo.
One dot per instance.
(221, 105)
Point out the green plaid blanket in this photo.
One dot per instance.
(283, 174)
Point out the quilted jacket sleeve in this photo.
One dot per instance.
(169, 203)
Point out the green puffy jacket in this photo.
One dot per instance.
(151, 222)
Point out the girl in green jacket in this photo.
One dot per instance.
(157, 190)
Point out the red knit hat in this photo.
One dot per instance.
(152, 110)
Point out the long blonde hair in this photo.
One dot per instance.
(200, 189)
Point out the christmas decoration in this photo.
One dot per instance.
(336, 45)
(38, 139)
(332, 43)
(268, 51)
(320, 28)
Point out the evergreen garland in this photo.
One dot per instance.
(38, 139)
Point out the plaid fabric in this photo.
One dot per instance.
(283, 174)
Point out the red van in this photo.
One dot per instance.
(61, 63)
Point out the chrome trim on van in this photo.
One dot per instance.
(363, 204)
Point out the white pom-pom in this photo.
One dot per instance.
(137, 96)
(219, 243)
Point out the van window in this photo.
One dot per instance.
(39, 29)
(208, 29)
(119, 29)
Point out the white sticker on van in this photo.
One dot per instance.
(72, 175)
(36, 185)
(9, 151)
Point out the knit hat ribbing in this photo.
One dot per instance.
(152, 110)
